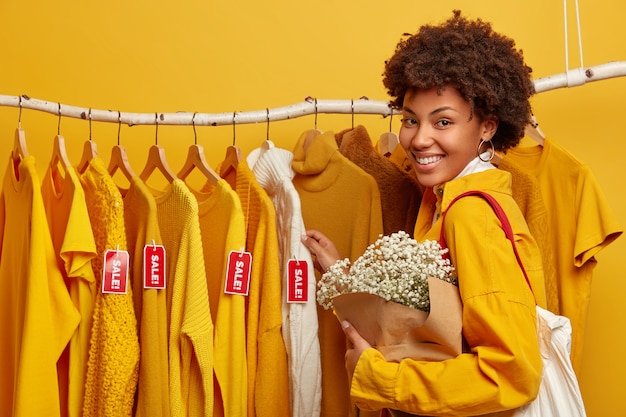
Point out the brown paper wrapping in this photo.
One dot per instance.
(400, 332)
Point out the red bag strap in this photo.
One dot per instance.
(506, 225)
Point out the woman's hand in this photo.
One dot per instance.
(358, 346)
(322, 248)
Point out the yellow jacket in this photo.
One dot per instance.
(501, 369)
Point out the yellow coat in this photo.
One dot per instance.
(502, 367)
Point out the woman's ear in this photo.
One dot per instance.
(489, 129)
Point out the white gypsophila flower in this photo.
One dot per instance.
(395, 267)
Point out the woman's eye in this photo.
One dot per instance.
(407, 122)
(443, 123)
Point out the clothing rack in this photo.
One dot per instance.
(309, 106)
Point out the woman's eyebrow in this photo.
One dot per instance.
(437, 110)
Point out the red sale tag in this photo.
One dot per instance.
(115, 272)
(238, 273)
(297, 281)
(154, 267)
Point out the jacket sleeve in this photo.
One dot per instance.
(501, 370)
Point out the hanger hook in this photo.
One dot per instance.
(19, 116)
(119, 126)
(156, 133)
(193, 123)
(90, 123)
(267, 132)
(352, 108)
(315, 120)
(234, 136)
(59, 124)
(390, 116)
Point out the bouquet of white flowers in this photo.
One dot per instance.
(395, 267)
(401, 296)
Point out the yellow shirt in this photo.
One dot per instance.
(342, 201)
(113, 366)
(502, 367)
(142, 228)
(74, 247)
(37, 316)
(581, 224)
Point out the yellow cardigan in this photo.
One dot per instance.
(502, 367)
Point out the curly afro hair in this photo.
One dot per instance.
(484, 66)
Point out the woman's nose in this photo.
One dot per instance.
(418, 138)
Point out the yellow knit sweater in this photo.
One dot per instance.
(190, 325)
(112, 370)
(223, 230)
(142, 228)
(342, 201)
(268, 384)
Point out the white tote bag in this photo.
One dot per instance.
(559, 393)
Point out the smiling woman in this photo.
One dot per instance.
(222, 57)
(451, 107)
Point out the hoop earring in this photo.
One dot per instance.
(492, 150)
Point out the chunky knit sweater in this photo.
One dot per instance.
(113, 367)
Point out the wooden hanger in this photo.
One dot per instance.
(119, 160)
(388, 140)
(90, 151)
(59, 156)
(156, 160)
(196, 159)
(532, 131)
(311, 134)
(231, 161)
(256, 154)
(233, 155)
(19, 147)
(19, 151)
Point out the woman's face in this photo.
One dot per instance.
(440, 134)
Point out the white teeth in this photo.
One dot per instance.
(429, 160)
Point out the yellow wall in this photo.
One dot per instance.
(223, 56)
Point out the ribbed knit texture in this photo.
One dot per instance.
(342, 201)
(581, 224)
(268, 385)
(190, 325)
(400, 193)
(527, 195)
(142, 228)
(223, 230)
(37, 316)
(75, 248)
(113, 366)
(272, 168)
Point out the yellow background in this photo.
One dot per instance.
(243, 55)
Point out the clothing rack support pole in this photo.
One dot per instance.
(307, 107)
